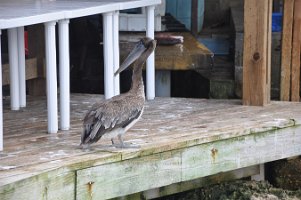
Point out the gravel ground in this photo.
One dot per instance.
(238, 190)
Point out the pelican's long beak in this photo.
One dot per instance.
(133, 56)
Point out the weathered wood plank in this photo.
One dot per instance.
(269, 51)
(286, 50)
(14, 175)
(43, 186)
(165, 129)
(197, 183)
(31, 70)
(127, 177)
(139, 174)
(296, 50)
(256, 64)
(189, 55)
(224, 155)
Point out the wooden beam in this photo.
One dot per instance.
(53, 185)
(201, 182)
(194, 17)
(269, 50)
(256, 59)
(194, 184)
(31, 70)
(286, 51)
(295, 75)
(148, 172)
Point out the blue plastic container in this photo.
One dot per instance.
(276, 22)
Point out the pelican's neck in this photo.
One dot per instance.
(137, 81)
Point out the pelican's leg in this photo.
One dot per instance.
(121, 145)
(121, 141)
(84, 146)
(124, 145)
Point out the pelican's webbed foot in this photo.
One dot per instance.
(123, 145)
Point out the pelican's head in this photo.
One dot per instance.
(141, 51)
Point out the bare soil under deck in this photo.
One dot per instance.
(238, 190)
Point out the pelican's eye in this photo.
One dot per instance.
(140, 42)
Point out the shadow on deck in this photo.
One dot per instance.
(181, 140)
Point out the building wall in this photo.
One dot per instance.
(181, 10)
(218, 11)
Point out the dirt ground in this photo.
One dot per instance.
(238, 190)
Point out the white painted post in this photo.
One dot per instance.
(64, 67)
(51, 77)
(116, 51)
(22, 72)
(162, 83)
(150, 63)
(13, 68)
(1, 103)
(108, 54)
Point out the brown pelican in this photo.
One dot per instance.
(113, 117)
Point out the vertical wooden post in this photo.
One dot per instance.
(286, 51)
(269, 50)
(295, 74)
(194, 17)
(257, 53)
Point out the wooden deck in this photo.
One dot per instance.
(181, 140)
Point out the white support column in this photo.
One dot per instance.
(21, 62)
(1, 103)
(64, 67)
(108, 54)
(150, 63)
(116, 51)
(51, 77)
(13, 68)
